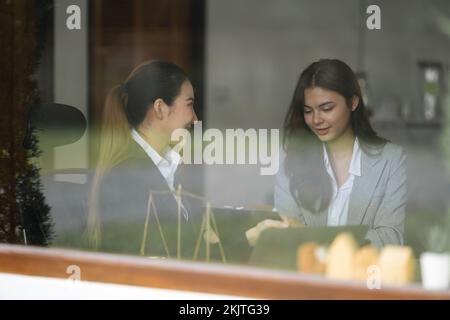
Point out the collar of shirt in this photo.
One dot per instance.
(167, 164)
(355, 164)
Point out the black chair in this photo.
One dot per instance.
(57, 125)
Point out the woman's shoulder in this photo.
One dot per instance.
(388, 151)
(134, 157)
(392, 150)
(392, 153)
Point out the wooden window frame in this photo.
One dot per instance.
(194, 276)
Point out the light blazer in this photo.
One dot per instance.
(378, 197)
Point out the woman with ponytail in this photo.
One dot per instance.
(135, 157)
(336, 169)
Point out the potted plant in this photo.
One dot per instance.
(435, 262)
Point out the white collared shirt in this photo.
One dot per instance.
(338, 209)
(166, 164)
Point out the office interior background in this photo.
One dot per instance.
(244, 58)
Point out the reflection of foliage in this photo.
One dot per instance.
(20, 195)
(439, 235)
(445, 138)
(431, 88)
(444, 25)
(438, 239)
(35, 213)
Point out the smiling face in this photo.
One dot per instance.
(181, 113)
(327, 113)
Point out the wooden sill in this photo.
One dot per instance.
(193, 276)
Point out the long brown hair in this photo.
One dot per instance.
(309, 181)
(126, 107)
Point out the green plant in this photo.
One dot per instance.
(438, 236)
(437, 239)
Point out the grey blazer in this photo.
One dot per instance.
(378, 197)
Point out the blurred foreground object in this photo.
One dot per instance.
(364, 258)
(435, 270)
(340, 257)
(397, 265)
(254, 233)
(311, 258)
(344, 260)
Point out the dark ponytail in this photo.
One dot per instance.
(126, 107)
(148, 82)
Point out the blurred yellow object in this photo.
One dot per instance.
(340, 257)
(311, 258)
(344, 261)
(210, 237)
(292, 222)
(364, 258)
(262, 207)
(397, 265)
(254, 233)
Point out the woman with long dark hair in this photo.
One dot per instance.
(135, 157)
(336, 170)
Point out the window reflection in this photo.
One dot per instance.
(243, 68)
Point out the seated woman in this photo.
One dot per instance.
(335, 169)
(135, 160)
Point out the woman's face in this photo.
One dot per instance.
(181, 113)
(327, 114)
